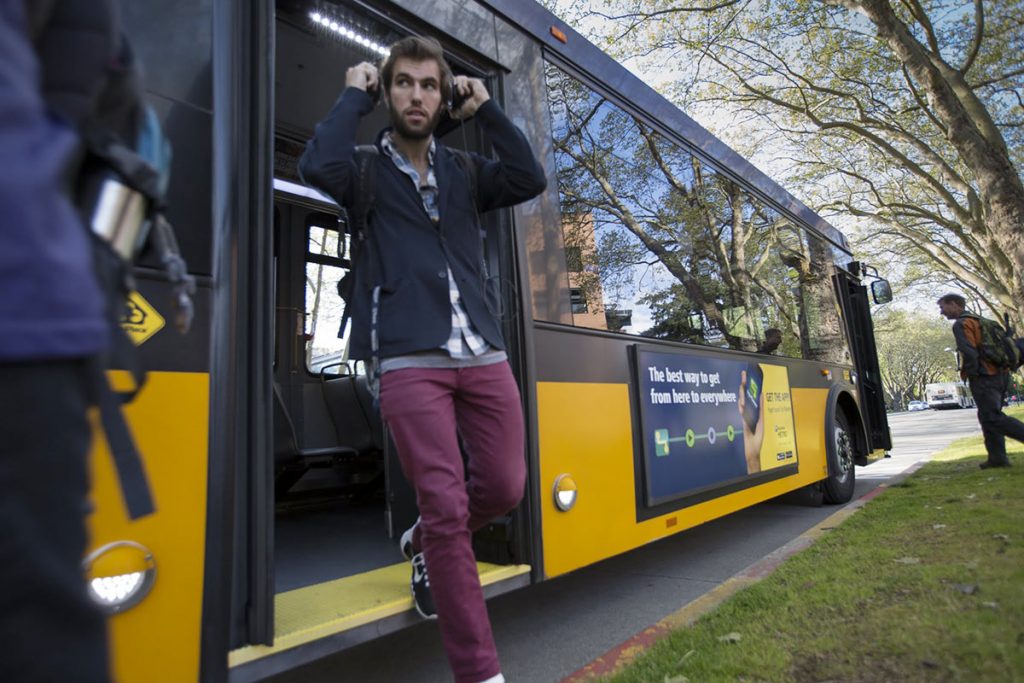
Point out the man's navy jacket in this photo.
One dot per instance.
(407, 255)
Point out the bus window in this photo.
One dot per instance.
(324, 306)
(660, 243)
(824, 334)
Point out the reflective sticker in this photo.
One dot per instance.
(141, 321)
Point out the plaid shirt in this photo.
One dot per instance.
(463, 342)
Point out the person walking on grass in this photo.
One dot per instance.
(988, 382)
(425, 319)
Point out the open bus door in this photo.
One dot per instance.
(202, 420)
(854, 298)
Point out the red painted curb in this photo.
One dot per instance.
(610, 661)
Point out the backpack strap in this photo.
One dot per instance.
(976, 326)
(491, 285)
(358, 224)
(131, 472)
(366, 188)
(468, 166)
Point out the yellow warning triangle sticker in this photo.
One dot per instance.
(141, 320)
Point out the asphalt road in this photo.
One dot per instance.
(548, 631)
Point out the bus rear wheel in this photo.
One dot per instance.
(838, 486)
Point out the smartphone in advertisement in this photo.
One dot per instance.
(752, 399)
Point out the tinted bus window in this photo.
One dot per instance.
(661, 244)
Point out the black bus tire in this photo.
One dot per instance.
(838, 486)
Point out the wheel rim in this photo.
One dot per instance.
(844, 453)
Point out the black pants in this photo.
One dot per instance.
(49, 630)
(988, 393)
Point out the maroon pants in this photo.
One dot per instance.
(427, 410)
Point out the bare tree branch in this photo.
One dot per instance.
(979, 34)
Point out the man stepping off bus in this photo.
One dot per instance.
(988, 381)
(426, 321)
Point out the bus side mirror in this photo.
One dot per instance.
(881, 292)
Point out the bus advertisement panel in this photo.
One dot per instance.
(709, 423)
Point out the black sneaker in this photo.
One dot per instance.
(420, 585)
(987, 465)
(405, 542)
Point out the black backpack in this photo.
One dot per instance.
(89, 76)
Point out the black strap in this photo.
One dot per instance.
(138, 498)
(358, 217)
(115, 277)
(465, 161)
(366, 186)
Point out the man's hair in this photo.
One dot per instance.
(772, 332)
(418, 49)
(953, 298)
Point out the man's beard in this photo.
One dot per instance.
(414, 134)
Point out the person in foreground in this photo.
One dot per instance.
(52, 323)
(987, 381)
(425, 319)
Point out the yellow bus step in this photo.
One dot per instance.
(307, 614)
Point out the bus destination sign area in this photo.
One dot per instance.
(708, 423)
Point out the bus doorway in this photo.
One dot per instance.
(340, 500)
(329, 464)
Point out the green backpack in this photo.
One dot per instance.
(997, 346)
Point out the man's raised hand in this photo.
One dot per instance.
(475, 93)
(363, 76)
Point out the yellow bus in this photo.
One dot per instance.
(689, 339)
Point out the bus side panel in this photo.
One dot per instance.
(158, 639)
(809, 407)
(586, 430)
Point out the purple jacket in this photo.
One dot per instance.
(50, 303)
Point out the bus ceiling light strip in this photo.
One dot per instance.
(342, 31)
(132, 572)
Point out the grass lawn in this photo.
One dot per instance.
(925, 583)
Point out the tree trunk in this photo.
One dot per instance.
(970, 130)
